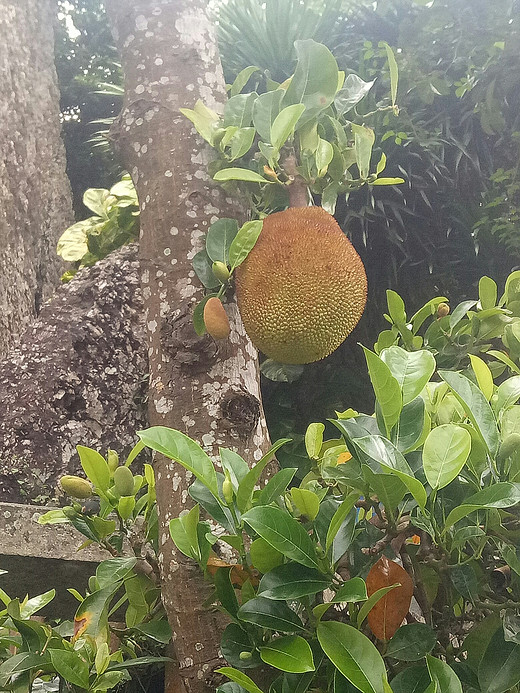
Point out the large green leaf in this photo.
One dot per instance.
(386, 388)
(364, 139)
(292, 654)
(445, 452)
(292, 581)
(284, 124)
(238, 110)
(508, 393)
(265, 109)
(23, 661)
(283, 533)
(185, 451)
(443, 675)
(244, 242)
(411, 642)
(414, 679)
(353, 590)
(413, 426)
(354, 655)
(114, 570)
(234, 641)
(499, 668)
(225, 591)
(307, 502)
(235, 173)
(183, 531)
(315, 81)
(276, 485)
(219, 237)
(71, 667)
(501, 495)
(476, 406)
(411, 369)
(339, 517)
(271, 614)
(240, 678)
(389, 489)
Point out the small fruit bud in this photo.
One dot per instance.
(124, 481)
(112, 460)
(216, 319)
(221, 272)
(245, 655)
(227, 489)
(75, 486)
(69, 512)
(442, 310)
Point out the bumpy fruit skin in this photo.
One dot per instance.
(124, 481)
(216, 319)
(75, 486)
(302, 289)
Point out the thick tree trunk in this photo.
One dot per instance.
(77, 376)
(35, 204)
(208, 390)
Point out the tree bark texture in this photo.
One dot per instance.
(35, 200)
(208, 390)
(78, 376)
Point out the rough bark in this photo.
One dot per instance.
(78, 376)
(35, 201)
(208, 390)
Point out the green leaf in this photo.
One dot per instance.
(508, 394)
(95, 467)
(263, 556)
(500, 495)
(159, 630)
(354, 89)
(265, 109)
(500, 356)
(94, 199)
(411, 642)
(476, 407)
(71, 667)
(281, 372)
(389, 489)
(354, 590)
(306, 502)
(73, 242)
(219, 237)
(234, 641)
(276, 485)
(464, 580)
(291, 581)
(250, 480)
(445, 452)
(315, 80)
(339, 517)
(411, 369)
(388, 181)
(52, 517)
(138, 662)
(204, 119)
(234, 173)
(283, 533)
(354, 655)
(225, 591)
(314, 439)
(414, 679)
(240, 678)
(324, 155)
(204, 270)
(292, 654)
(413, 426)
(185, 451)
(487, 293)
(364, 139)
(271, 614)
(244, 242)
(499, 669)
(18, 663)
(483, 375)
(238, 110)
(241, 142)
(371, 602)
(114, 570)
(242, 79)
(386, 388)
(394, 72)
(234, 464)
(183, 531)
(284, 124)
(443, 675)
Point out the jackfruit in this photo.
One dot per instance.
(302, 288)
(75, 486)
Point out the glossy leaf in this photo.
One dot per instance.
(225, 591)
(339, 517)
(386, 616)
(271, 614)
(284, 124)
(249, 481)
(240, 678)
(445, 452)
(244, 242)
(283, 533)
(306, 502)
(265, 109)
(354, 590)
(411, 642)
(95, 467)
(114, 570)
(234, 173)
(263, 556)
(234, 464)
(364, 139)
(234, 641)
(276, 485)
(414, 679)
(219, 238)
(185, 451)
(499, 669)
(386, 388)
(483, 375)
(443, 675)
(354, 89)
(314, 439)
(411, 369)
(292, 654)
(476, 407)
(508, 393)
(353, 655)
(204, 271)
(71, 667)
(500, 495)
(292, 581)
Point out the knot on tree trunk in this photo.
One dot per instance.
(240, 410)
(186, 348)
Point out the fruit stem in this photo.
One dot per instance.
(298, 190)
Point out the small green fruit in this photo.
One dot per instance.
(124, 481)
(112, 460)
(221, 271)
(227, 490)
(75, 486)
(245, 655)
(69, 512)
(442, 310)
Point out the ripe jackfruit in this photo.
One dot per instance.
(302, 289)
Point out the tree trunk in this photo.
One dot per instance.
(208, 390)
(77, 376)
(35, 204)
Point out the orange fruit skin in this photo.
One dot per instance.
(302, 289)
(216, 319)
